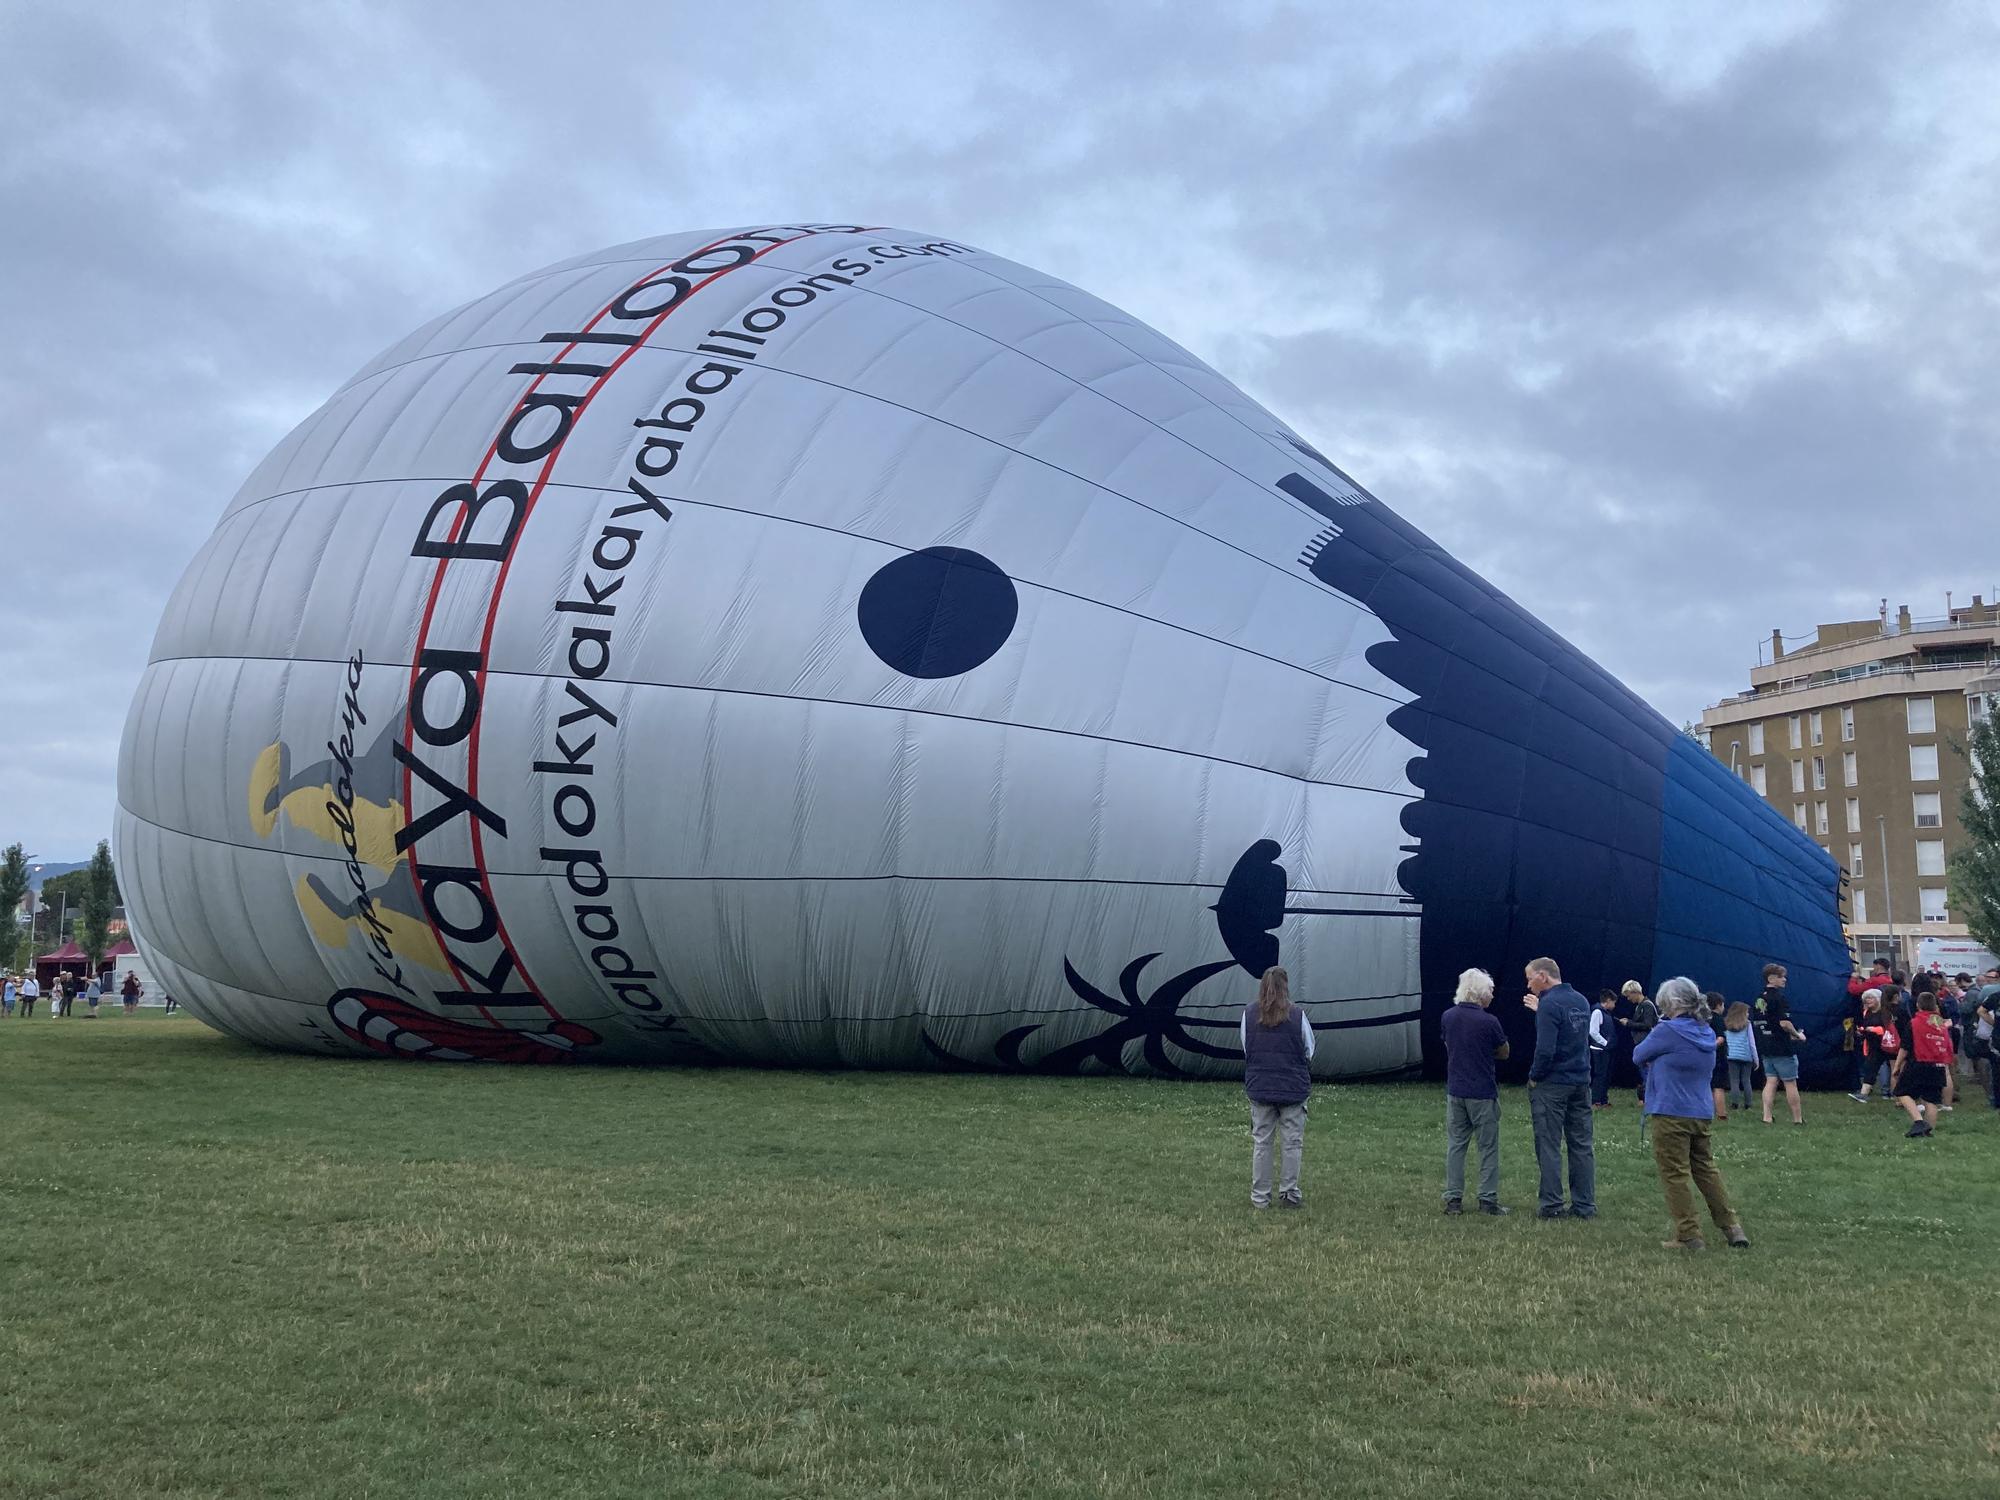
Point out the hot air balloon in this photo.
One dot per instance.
(829, 645)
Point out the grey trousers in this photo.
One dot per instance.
(1739, 1080)
(1563, 1124)
(1461, 1118)
(1288, 1123)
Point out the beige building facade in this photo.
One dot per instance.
(1859, 738)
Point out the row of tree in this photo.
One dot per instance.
(93, 891)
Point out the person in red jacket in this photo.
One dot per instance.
(1870, 1055)
(1926, 1061)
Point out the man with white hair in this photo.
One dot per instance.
(1559, 1079)
(1474, 1042)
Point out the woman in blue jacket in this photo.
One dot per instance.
(1678, 1059)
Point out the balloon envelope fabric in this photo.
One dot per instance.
(830, 645)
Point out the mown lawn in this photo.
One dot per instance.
(226, 1272)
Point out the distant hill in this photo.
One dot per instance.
(40, 872)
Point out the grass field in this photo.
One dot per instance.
(226, 1272)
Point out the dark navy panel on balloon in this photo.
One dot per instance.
(938, 612)
(1707, 926)
(1561, 815)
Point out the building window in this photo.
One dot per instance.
(1799, 815)
(1930, 856)
(1922, 715)
(1819, 819)
(1757, 779)
(1756, 739)
(1976, 705)
(1818, 729)
(1798, 776)
(1923, 763)
(1854, 815)
(1854, 861)
(1792, 724)
(1850, 769)
(1860, 907)
(1847, 723)
(1931, 902)
(1819, 773)
(1929, 809)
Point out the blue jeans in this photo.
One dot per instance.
(1561, 1114)
(1740, 1070)
(1600, 1076)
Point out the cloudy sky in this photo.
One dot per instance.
(1680, 322)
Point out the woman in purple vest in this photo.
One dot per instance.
(1277, 1075)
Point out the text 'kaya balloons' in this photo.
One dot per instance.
(827, 645)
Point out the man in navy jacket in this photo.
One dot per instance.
(1559, 1101)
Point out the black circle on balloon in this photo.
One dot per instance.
(938, 612)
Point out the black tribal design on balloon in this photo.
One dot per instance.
(1153, 1020)
(1248, 911)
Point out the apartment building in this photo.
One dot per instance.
(1858, 737)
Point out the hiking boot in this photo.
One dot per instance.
(1453, 1207)
(1694, 1244)
(1738, 1240)
(1494, 1210)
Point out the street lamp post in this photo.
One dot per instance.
(1888, 896)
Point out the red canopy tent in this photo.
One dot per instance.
(71, 957)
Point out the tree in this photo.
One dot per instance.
(1975, 864)
(100, 895)
(13, 887)
(74, 884)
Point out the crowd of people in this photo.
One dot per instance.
(20, 993)
(1910, 1039)
(1696, 1056)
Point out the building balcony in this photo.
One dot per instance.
(1849, 685)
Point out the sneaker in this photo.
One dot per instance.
(1738, 1240)
(1291, 1200)
(1552, 1213)
(1859, 1098)
(1453, 1207)
(1694, 1244)
(1945, 1108)
(1584, 1216)
(1917, 1130)
(1496, 1210)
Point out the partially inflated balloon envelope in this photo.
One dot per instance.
(827, 645)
